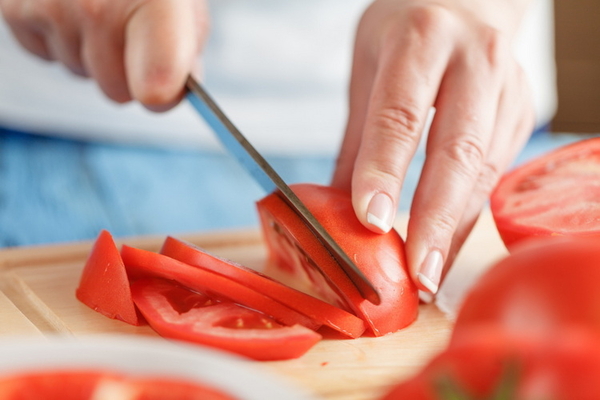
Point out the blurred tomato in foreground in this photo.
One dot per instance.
(101, 385)
(529, 329)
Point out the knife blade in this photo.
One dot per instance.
(270, 181)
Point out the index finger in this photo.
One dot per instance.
(411, 67)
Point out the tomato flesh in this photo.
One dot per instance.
(314, 308)
(143, 264)
(555, 194)
(177, 313)
(104, 286)
(295, 252)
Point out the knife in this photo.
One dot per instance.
(270, 181)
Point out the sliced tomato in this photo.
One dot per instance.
(320, 311)
(294, 250)
(540, 287)
(492, 366)
(143, 264)
(104, 286)
(101, 385)
(553, 195)
(176, 312)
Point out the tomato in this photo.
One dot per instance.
(294, 250)
(101, 385)
(492, 366)
(542, 286)
(552, 195)
(104, 286)
(143, 264)
(178, 313)
(316, 309)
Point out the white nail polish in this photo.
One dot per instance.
(426, 297)
(380, 212)
(431, 271)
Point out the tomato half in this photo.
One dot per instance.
(146, 264)
(542, 286)
(492, 366)
(552, 195)
(178, 313)
(101, 385)
(316, 309)
(295, 251)
(104, 286)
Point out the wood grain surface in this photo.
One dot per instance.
(37, 286)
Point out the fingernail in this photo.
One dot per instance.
(380, 212)
(425, 297)
(431, 271)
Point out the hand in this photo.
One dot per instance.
(454, 55)
(134, 49)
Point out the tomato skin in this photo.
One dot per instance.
(314, 308)
(557, 194)
(104, 286)
(223, 325)
(87, 384)
(562, 367)
(143, 264)
(540, 287)
(50, 385)
(380, 257)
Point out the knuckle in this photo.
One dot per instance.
(466, 153)
(444, 223)
(92, 11)
(385, 172)
(494, 47)
(487, 179)
(427, 18)
(399, 122)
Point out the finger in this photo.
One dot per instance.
(34, 42)
(457, 147)
(410, 69)
(361, 81)
(103, 52)
(26, 27)
(64, 38)
(163, 39)
(514, 125)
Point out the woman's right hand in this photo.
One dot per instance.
(134, 49)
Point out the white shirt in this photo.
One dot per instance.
(279, 69)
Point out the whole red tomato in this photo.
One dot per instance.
(557, 194)
(542, 286)
(490, 365)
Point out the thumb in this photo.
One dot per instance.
(163, 39)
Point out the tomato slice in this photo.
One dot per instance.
(142, 264)
(295, 251)
(541, 286)
(314, 308)
(555, 194)
(101, 385)
(176, 312)
(104, 286)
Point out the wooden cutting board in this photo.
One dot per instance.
(37, 286)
